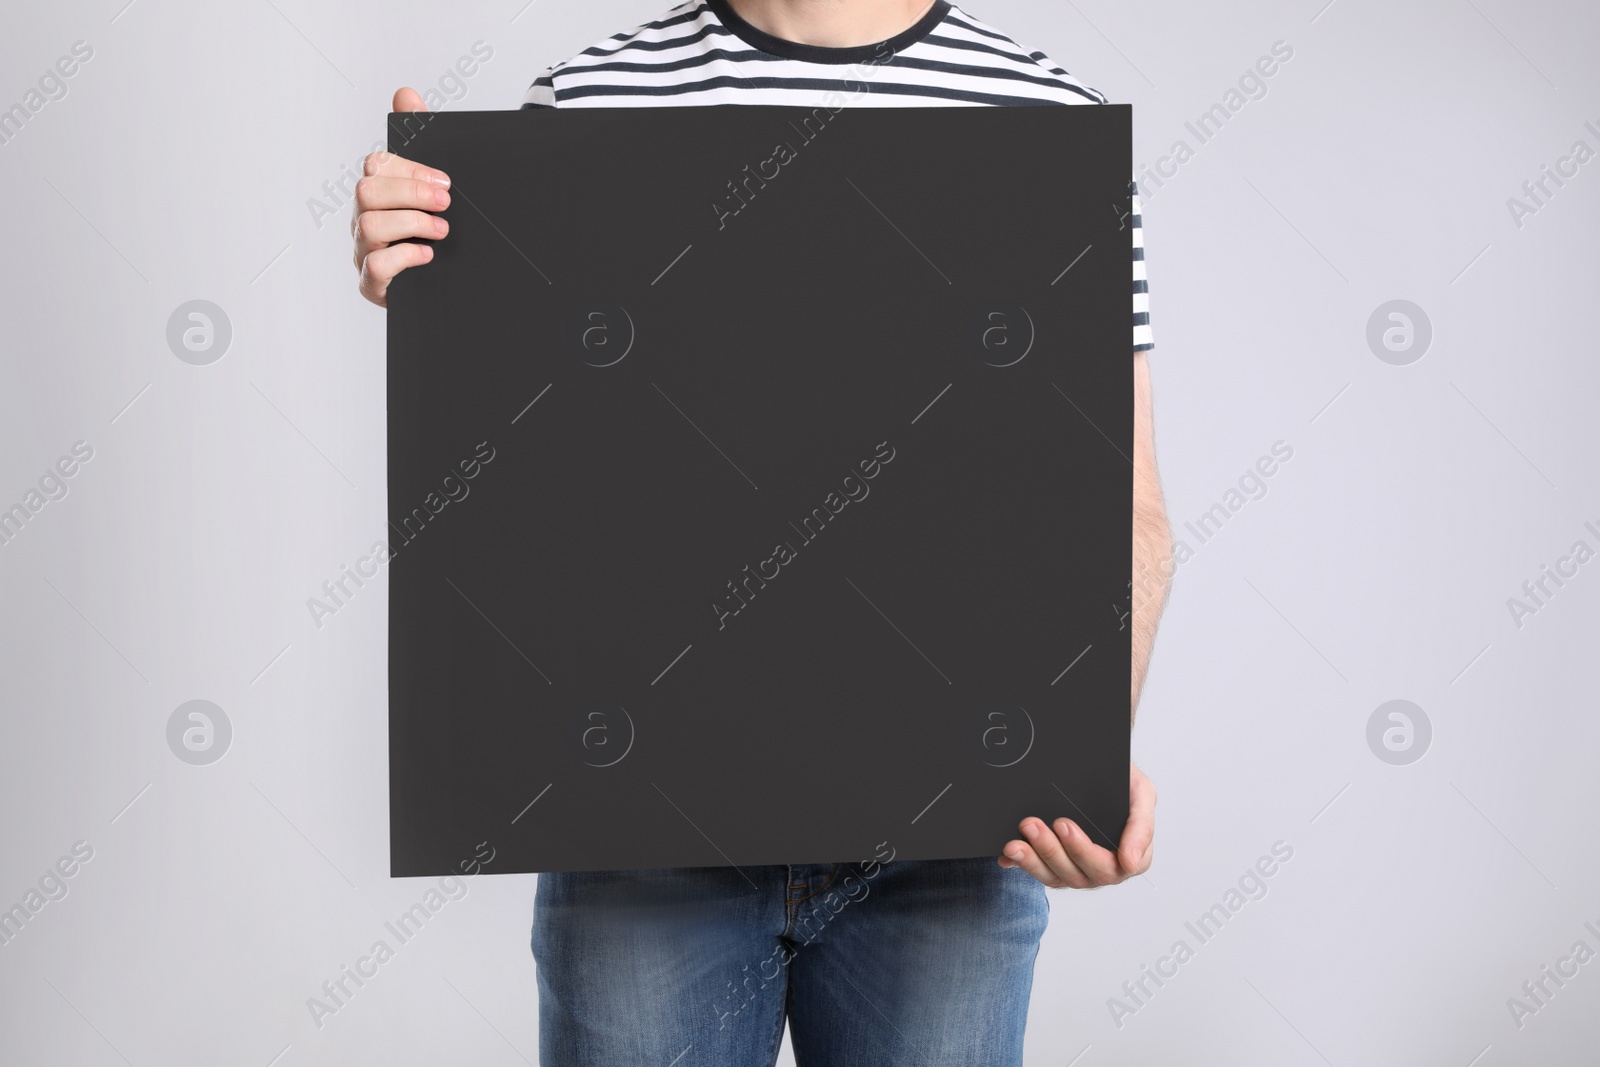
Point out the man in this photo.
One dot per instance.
(875, 963)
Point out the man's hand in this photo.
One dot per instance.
(1064, 857)
(393, 202)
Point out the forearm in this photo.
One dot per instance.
(1152, 536)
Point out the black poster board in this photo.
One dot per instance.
(759, 486)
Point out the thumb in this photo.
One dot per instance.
(408, 99)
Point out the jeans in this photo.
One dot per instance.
(873, 964)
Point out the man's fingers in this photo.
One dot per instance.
(395, 183)
(1097, 863)
(389, 165)
(393, 201)
(1133, 852)
(1047, 846)
(1063, 855)
(1019, 854)
(380, 193)
(408, 99)
(375, 229)
(380, 267)
(388, 194)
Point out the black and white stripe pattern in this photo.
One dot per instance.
(701, 52)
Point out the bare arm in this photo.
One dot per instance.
(1152, 536)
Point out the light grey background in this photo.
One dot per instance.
(1378, 566)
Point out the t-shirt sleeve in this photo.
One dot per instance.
(542, 93)
(1143, 339)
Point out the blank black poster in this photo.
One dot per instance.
(759, 486)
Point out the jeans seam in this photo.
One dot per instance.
(832, 876)
(792, 907)
(788, 909)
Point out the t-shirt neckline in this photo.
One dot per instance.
(762, 41)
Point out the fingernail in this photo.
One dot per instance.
(440, 197)
(427, 252)
(1015, 852)
(1031, 828)
(1065, 828)
(440, 226)
(440, 179)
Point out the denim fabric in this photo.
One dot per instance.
(894, 963)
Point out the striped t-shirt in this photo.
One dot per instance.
(701, 52)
